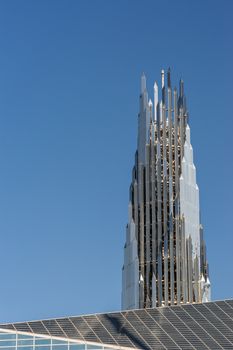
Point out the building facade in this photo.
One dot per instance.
(164, 255)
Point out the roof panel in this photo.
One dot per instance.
(149, 318)
(183, 336)
(132, 333)
(216, 322)
(225, 318)
(83, 328)
(196, 326)
(145, 331)
(7, 326)
(208, 327)
(22, 327)
(69, 329)
(53, 328)
(101, 332)
(229, 302)
(38, 327)
(113, 322)
(226, 307)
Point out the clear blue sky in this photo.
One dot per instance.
(69, 86)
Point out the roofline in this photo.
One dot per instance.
(111, 312)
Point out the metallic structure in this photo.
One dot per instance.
(164, 256)
(197, 326)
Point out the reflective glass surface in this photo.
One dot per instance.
(20, 341)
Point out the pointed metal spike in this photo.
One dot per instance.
(169, 77)
(143, 83)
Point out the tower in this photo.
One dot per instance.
(164, 255)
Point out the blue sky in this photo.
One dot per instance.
(69, 85)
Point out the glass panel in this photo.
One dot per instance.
(77, 346)
(58, 341)
(12, 348)
(41, 347)
(7, 336)
(60, 347)
(42, 341)
(23, 347)
(24, 336)
(25, 342)
(41, 337)
(94, 347)
(7, 343)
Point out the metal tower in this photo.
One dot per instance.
(164, 255)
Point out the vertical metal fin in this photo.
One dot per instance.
(184, 262)
(148, 220)
(153, 207)
(159, 217)
(176, 195)
(141, 236)
(170, 185)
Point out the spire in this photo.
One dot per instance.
(156, 100)
(181, 88)
(162, 77)
(150, 104)
(163, 87)
(167, 264)
(181, 95)
(169, 78)
(143, 83)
